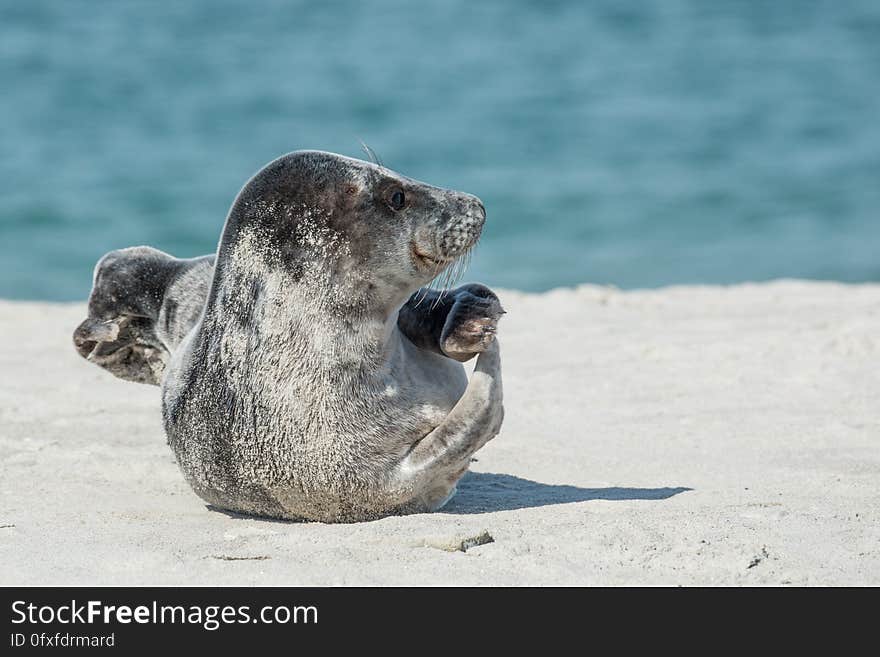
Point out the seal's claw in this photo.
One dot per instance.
(472, 323)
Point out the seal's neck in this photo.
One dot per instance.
(300, 329)
(315, 316)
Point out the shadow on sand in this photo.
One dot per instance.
(484, 492)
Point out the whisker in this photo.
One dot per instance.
(444, 281)
(467, 263)
(369, 151)
(374, 158)
(447, 280)
(424, 290)
(431, 286)
(439, 283)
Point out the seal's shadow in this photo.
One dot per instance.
(483, 492)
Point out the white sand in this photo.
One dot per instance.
(694, 435)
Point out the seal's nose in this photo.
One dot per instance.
(464, 226)
(476, 211)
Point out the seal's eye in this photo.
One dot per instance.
(397, 200)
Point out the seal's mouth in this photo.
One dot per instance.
(427, 261)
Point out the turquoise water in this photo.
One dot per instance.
(638, 144)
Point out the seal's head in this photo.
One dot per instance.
(356, 233)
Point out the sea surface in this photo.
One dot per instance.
(638, 144)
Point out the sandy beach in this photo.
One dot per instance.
(687, 435)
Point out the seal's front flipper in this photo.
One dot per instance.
(471, 323)
(436, 463)
(124, 346)
(459, 323)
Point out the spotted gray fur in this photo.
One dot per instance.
(305, 376)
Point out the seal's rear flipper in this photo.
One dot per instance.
(124, 346)
(120, 333)
(143, 302)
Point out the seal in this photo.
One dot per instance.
(306, 372)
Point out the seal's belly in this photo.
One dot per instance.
(262, 446)
(427, 388)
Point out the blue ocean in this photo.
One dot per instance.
(638, 144)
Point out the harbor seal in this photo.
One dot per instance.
(305, 371)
